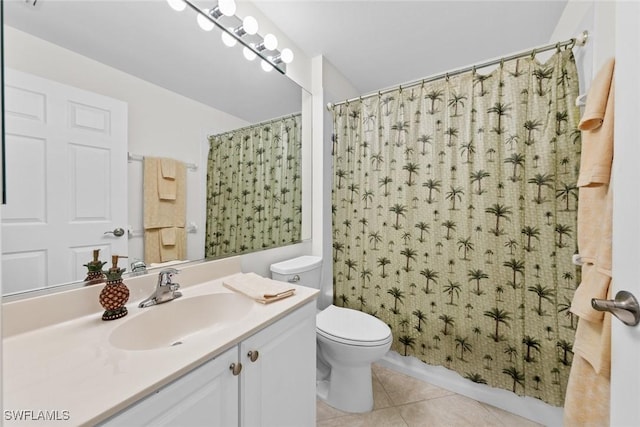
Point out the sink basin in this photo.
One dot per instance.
(175, 322)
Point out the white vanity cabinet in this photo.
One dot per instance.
(206, 396)
(278, 388)
(275, 386)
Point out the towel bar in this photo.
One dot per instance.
(137, 158)
(191, 228)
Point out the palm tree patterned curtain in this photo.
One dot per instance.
(254, 193)
(454, 220)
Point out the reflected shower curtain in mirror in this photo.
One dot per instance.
(254, 193)
(454, 220)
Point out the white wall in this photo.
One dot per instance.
(161, 123)
(328, 86)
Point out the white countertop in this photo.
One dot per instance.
(71, 366)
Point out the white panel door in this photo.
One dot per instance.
(625, 355)
(66, 169)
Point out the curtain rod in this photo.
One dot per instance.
(277, 119)
(580, 40)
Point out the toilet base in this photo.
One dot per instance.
(348, 389)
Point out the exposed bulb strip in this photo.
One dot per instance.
(246, 33)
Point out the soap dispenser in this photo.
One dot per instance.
(115, 294)
(94, 273)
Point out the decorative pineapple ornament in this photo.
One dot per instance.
(95, 274)
(115, 294)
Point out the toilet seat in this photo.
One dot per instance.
(352, 327)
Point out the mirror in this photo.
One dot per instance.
(179, 84)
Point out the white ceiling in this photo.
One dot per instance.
(378, 44)
(374, 44)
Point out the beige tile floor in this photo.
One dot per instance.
(400, 400)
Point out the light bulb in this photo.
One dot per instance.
(266, 66)
(204, 22)
(248, 54)
(250, 25)
(270, 42)
(227, 7)
(177, 5)
(227, 39)
(286, 55)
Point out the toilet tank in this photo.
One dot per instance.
(304, 271)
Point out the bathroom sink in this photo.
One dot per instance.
(175, 322)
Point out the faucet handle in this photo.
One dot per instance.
(169, 271)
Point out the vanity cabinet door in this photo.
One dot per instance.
(206, 396)
(278, 383)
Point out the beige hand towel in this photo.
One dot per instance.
(168, 168)
(167, 184)
(259, 288)
(159, 213)
(156, 252)
(168, 236)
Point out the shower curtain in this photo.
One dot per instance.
(454, 220)
(254, 192)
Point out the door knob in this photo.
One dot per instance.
(253, 355)
(118, 232)
(625, 307)
(236, 368)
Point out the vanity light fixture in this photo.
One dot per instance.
(227, 7)
(227, 38)
(249, 54)
(204, 23)
(266, 66)
(236, 30)
(223, 8)
(249, 26)
(270, 42)
(177, 5)
(285, 56)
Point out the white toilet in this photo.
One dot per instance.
(348, 341)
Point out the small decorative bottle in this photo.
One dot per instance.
(115, 294)
(95, 274)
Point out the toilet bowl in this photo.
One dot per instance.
(348, 342)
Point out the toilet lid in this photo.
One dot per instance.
(345, 324)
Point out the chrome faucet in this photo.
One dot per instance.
(138, 267)
(165, 291)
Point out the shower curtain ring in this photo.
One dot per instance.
(501, 62)
(572, 44)
(558, 47)
(533, 54)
